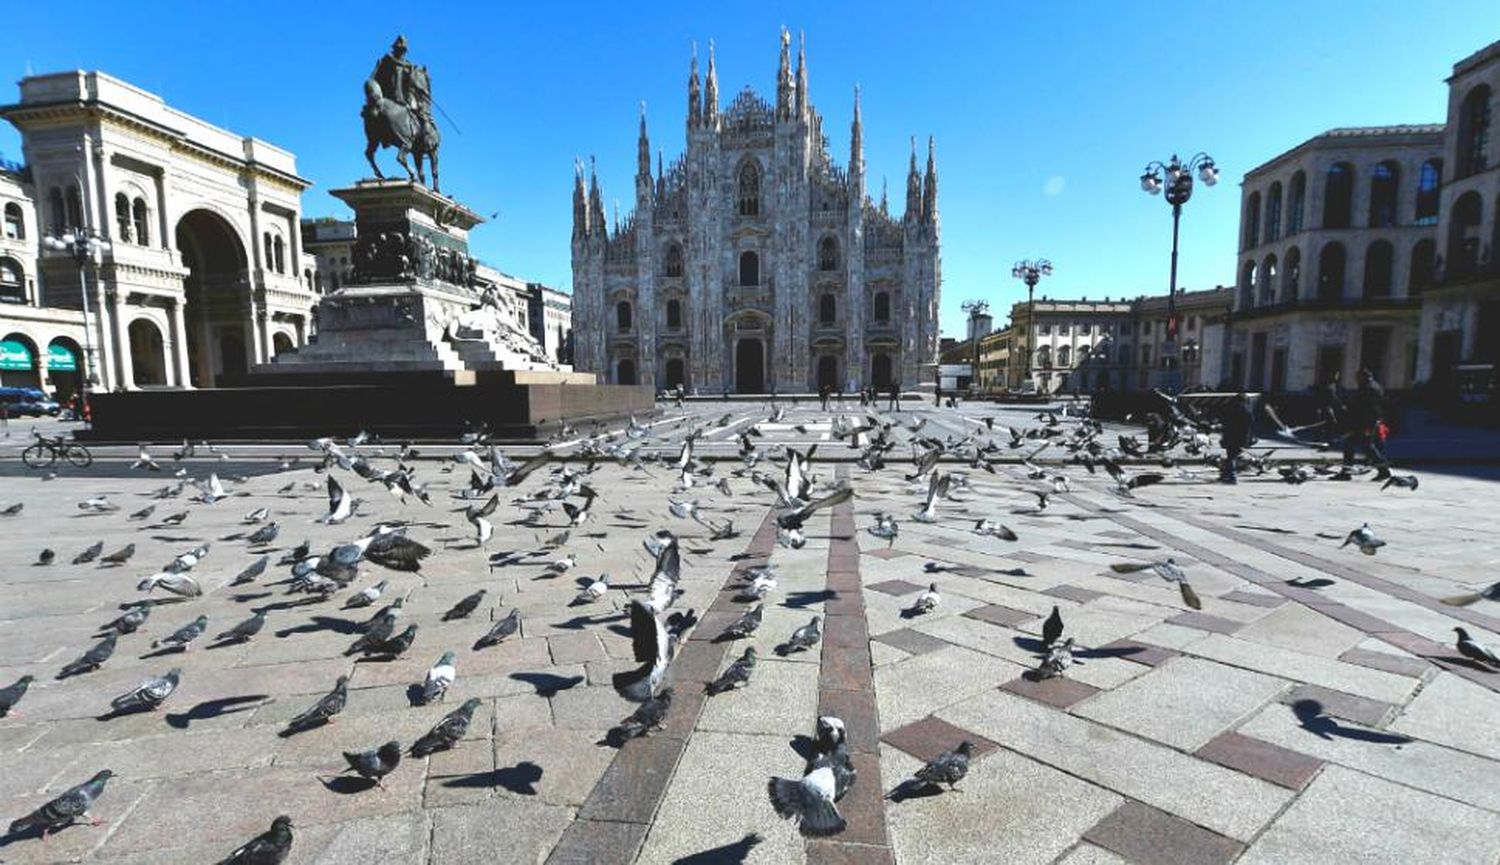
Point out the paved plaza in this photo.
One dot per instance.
(1313, 710)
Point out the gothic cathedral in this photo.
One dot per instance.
(753, 263)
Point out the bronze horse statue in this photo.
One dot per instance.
(411, 130)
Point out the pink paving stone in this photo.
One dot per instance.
(1205, 622)
(1060, 692)
(998, 615)
(908, 640)
(1360, 710)
(1073, 593)
(1130, 650)
(931, 736)
(1280, 766)
(1143, 834)
(1385, 661)
(896, 587)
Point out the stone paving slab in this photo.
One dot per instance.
(1184, 703)
(1141, 833)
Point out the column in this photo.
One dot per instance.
(179, 348)
(120, 340)
(102, 363)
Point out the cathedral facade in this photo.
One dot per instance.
(754, 263)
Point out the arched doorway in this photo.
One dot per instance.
(625, 371)
(880, 371)
(64, 368)
(218, 311)
(828, 372)
(750, 366)
(18, 362)
(281, 343)
(148, 358)
(676, 373)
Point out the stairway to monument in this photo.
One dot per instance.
(484, 352)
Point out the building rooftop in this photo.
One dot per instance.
(1478, 58)
(1346, 136)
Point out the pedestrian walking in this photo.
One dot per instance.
(1366, 422)
(1332, 407)
(824, 393)
(895, 392)
(1236, 428)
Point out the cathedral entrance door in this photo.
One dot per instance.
(828, 372)
(880, 371)
(750, 366)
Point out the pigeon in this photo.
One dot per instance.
(828, 733)
(803, 638)
(212, 490)
(249, 574)
(948, 768)
(1474, 650)
(176, 519)
(649, 716)
(11, 695)
(483, 528)
(15, 510)
(130, 621)
(1364, 539)
(92, 659)
(340, 504)
(562, 565)
(1490, 592)
(367, 596)
(501, 630)
(789, 525)
(927, 601)
(1052, 628)
(447, 732)
(886, 528)
(89, 554)
(1059, 658)
(992, 529)
(761, 585)
(46, 557)
(180, 638)
(1405, 482)
(439, 677)
(264, 535)
(396, 646)
(810, 799)
(97, 504)
(66, 809)
(1167, 570)
(652, 649)
(118, 557)
(182, 585)
(268, 848)
(376, 763)
(322, 712)
(149, 694)
(379, 629)
(745, 625)
(590, 590)
(1041, 498)
(734, 675)
(243, 631)
(937, 488)
(188, 560)
(463, 608)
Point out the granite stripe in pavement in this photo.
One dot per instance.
(1148, 836)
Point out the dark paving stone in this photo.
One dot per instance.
(1116, 534)
(946, 542)
(1130, 650)
(696, 661)
(598, 842)
(998, 615)
(931, 736)
(1029, 557)
(845, 603)
(886, 553)
(1072, 593)
(635, 781)
(908, 640)
(1351, 617)
(847, 669)
(840, 853)
(896, 587)
(1268, 762)
(1143, 834)
(1401, 666)
(845, 631)
(1205, 622)
(858, 711)
(1360, 710)
(864, 805)
(1059, 692)
(1254, 599)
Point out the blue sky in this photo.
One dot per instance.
(1044, 112)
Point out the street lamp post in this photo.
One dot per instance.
(1179, 188)
(1031, 272)
(975, 309)
(85, 244)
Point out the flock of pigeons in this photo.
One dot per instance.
(657, 627)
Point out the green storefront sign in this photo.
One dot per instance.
(14, 355)
(60, 359)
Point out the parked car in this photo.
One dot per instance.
(27, 402)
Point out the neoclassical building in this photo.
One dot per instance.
(204, 273)
(754, 262)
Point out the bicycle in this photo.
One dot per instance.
(47, 450)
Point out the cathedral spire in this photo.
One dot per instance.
(580, 202)
(857, 139)
(643, 148)
(597, 225)
(784, 78)
(913, 186)
(930, 186)
(711, 91)
(803, 105)
(885, 207)
(694, 112)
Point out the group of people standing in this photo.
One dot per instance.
(1359, 422)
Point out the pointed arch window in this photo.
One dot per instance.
(828, 254)
(827, 309)
(58, 214)
(672, 261)
(1273, 213)
(882, 307)
(122, 217)
(674, 314)
(1474, 132)
(15, 223)
(623, 316)
(749, 269)
(142, 220)
(1338, 196)
(1296, 203)
(749, 188)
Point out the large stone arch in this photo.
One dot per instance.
(219, 308)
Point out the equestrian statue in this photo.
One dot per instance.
(398, 113)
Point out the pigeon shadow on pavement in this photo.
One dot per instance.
(1116, 652)
(163, 651)
(322, 623)
(578, 623)
(1460, 661)
(913, 789)
(1311, 718)
(214, 708)
(548, 684)
(1314, 583)
(802, 600)
(1030, 644)
(348, 785)
(729, 854)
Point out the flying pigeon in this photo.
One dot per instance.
(149, 694)
(376, 763)
(1363, 538)
(463, 608)
(12, 694)
(789, 525)
(92, 659)
(271, 847)
(937, 488)
(803, 638)
(447, 732)
(66, 809)
(1052, 628)
(500, 630)
(340, 504)
(652, 650)
(184, 635)
(243, 631)
(1167, 570)
(810, 799)
(1474, 650)
(1405, 482)
(439, 677)
(322, 712)
(735, 674)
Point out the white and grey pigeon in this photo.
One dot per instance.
(927, 601)
(257, 515)
(1167, 570)
(886, 528)
(367, 596)
(182, 585)
(1057, 661)
(144, 460)
(991, 529)
(590, 590)
(1363, 538)
(149, 694)
(937, 489)
(340, 504)
(439, 677)
(1474, 650)
(652, 650)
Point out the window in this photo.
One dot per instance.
(1192, 322)
(622, 316)
(1124, 355)
(278, 248)
(1474, 132)
(828, 254)
(1085, 329)
(15, 223)
(827, 309)
(1331, 263)
(1044, 357)
(270, 254)
(1338, 196)
(1252, 221)
(749, 269)
(142, 222)
(307, 277)
(1044, 330)
(1383, 184)
(1064, 355)
(1267, 286)
(12, 281)
(1428, 181)
(882, 307)
(1145, 355)
(122, 217)
(672, 261)
(1296, 204)
(1273, 213)
(1146, 326)
(56, 211)
(75, 207)
(1291, 275)
(1063, 329)
(749, 188)
(674, 314)
(1463, 236)
(1423, 260)
(1378, 269)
